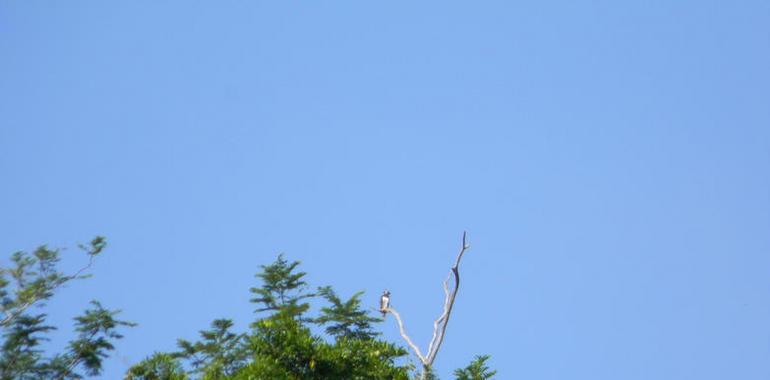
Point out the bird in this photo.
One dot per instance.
(385, 302)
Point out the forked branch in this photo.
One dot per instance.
(440, 324)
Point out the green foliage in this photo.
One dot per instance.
(220, 354)
(31, 280)
(477, 370)
(284, 347)
(159, 366)
(282, 290)
(281, 344)
(21, 354)
(363, 359)
(345, 319)
(97, 329)
(95, 247)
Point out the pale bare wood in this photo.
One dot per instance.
(451, 302)
(440, 324)
(441, 317)
(405, 335)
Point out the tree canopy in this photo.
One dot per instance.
(279, 344)
(26, 285)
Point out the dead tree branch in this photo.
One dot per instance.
(440, 324)
(406, 336)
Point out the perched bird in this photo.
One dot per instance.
(385, 302)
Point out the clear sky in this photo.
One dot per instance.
(610, 161)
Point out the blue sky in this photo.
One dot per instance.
(610, 161)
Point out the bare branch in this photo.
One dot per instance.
(441, 318)
(451, 302)
(405, 336)
(440, 324)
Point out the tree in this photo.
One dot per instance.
(477, 370)
(285, 348)
(21, 353)
(282, 290)
(97, 329)
(158, 366)
(345, 319)
(221, 353)
(31, 280)
(281, 345)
